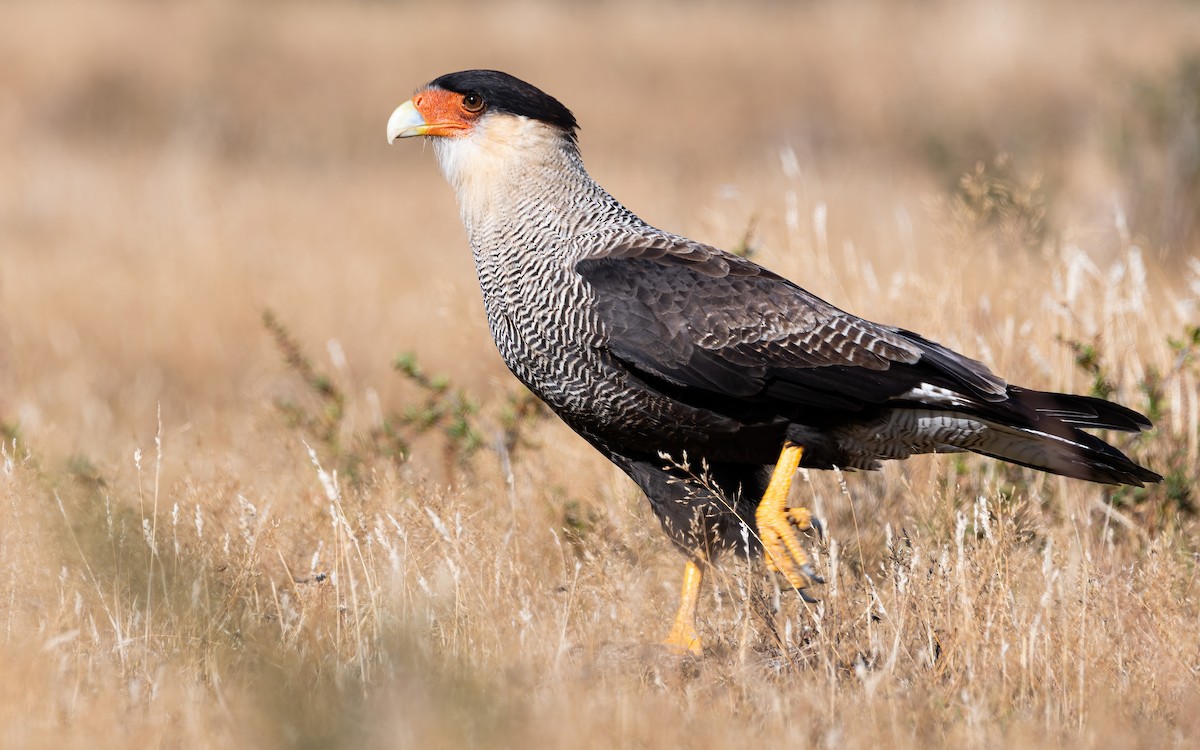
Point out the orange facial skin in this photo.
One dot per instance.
(444, 113)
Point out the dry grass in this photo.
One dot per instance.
(170, 171)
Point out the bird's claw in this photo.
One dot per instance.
(818, 526)
(779, 529)
(811, 572)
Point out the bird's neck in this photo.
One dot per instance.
(526, 192)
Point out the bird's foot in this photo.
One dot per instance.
(779, 527)
(782, 548)
(683, 638)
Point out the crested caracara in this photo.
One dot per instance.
(650, 344)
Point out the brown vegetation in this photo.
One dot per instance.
(215, 533)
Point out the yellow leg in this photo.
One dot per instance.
(683, 637)
(779, 524)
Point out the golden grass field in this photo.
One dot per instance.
(177, 569)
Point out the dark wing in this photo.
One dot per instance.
(712, 324)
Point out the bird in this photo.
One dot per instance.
(705, 377)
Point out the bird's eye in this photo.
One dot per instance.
(472, 103)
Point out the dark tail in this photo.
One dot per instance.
(1044, 431)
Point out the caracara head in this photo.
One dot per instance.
(481, 120)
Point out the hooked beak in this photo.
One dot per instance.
(431, 112)
(406, 122)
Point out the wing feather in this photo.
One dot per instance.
(699, 318)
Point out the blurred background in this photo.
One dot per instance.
(211, 263)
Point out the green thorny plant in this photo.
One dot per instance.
(1178, 466)
(441, 409)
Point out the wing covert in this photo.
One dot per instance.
(700, 318)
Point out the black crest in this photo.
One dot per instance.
(504, 93)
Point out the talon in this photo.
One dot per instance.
(801, 517)
(818, 526)
(807, 596)
(808, 570)
(779, 527)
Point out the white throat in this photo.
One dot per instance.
(522, 182)
(501, 150)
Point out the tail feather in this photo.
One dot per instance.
(1044, 430)
(1076, 454)
(1081, 411)
(1038, 429)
